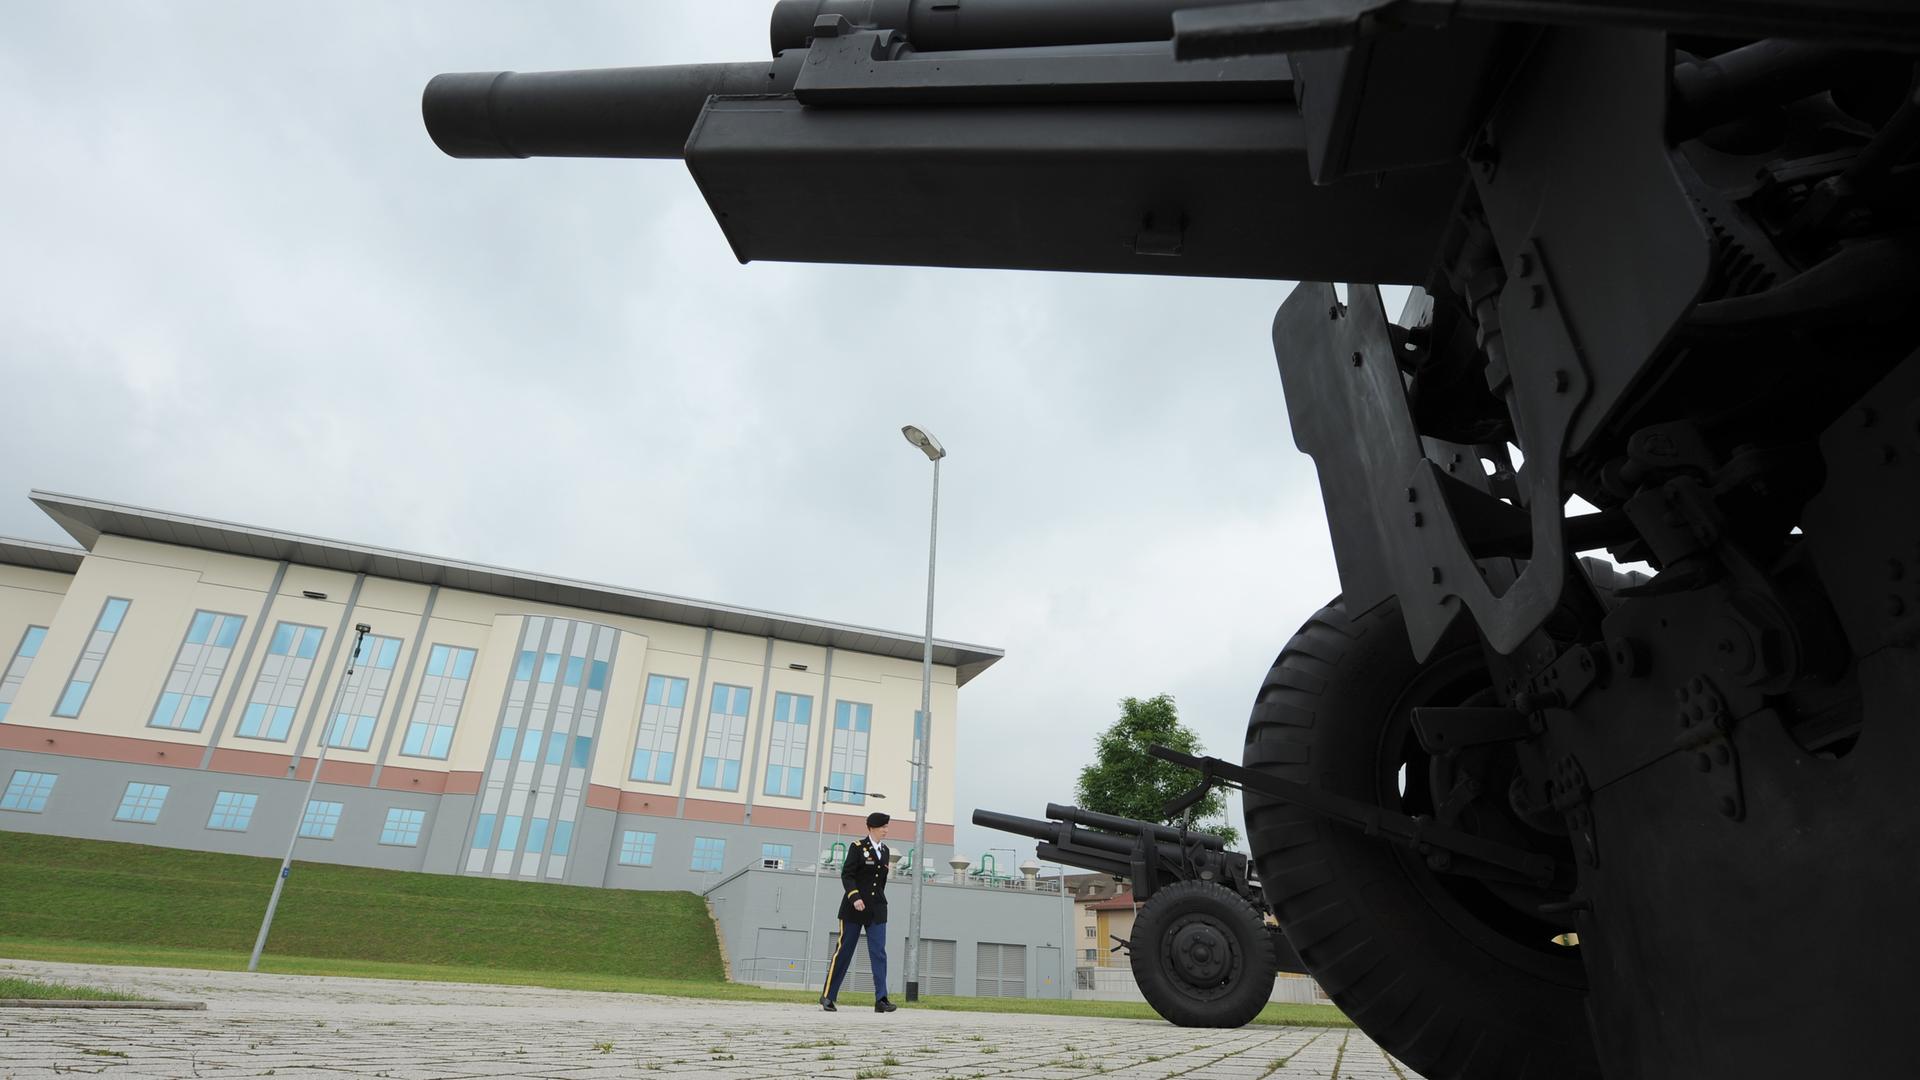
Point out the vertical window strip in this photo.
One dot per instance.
(443, 690)
(364, 694)
(18, 665)
(787, 755)
(847, 762)
(198, 666)
(726, 737)
(661, 713)
(27, 792)
(86, 670)
(282, 682)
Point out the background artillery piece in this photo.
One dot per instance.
(1667, 263)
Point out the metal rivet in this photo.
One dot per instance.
(1356, 359)
(1416, 519)
(1436, 574)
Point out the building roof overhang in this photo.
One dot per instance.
(86, 520)
(38, 556)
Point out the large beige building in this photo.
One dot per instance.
(171, 680)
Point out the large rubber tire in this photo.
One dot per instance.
(1202, 956)
(1424, 964)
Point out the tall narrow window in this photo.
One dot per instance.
(232, 811)
(364, 694)
(320, 820)
(282, 681)
(27, 791)
(709, 853)
(16, 672)
(197, 669)
(847, 765)
(660, 715)
(142, 803)
(726, 736)
(442, 691)
(787, 756)
(87, 669)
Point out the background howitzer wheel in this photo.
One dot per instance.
(1202, 956)
(1455, 976)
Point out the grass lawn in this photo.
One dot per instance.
(11, 987)
(95, 902)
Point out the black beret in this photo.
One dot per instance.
(877, 819)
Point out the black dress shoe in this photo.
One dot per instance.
(885, 1006)
(827, 1003)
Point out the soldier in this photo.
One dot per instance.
(864, 876)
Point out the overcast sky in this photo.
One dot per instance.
(237, 280)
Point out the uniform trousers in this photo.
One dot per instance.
(843, 956)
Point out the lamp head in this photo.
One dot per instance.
(928, 445)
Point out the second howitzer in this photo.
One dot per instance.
(1204, 947)
(1521, 815)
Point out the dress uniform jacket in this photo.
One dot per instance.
(864, 877)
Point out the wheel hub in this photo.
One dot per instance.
(1202, 952)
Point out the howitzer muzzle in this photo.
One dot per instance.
(988, 24)
(642, 112)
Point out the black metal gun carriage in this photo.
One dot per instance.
(1666, 262)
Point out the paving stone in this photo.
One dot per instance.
(311, 1028)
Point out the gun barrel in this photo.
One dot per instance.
(1020, 826)
(989, 24)
(640, 112)
(1093, 819)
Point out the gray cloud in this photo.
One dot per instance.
(241, 282)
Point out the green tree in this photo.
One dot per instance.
(1126, 781)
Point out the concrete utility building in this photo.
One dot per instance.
(170, 680)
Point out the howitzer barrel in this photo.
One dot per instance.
(639, 112)
(989, 24)
(1093, 819)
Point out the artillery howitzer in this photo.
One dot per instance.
(1202, 949)
(1666, 261)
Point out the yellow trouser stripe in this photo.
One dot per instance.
(828, 985)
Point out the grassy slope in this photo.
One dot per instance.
(59, 889)
(94, 902)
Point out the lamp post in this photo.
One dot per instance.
(931, 447)
(360, 632)
(819, 837)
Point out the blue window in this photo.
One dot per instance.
(582, 750)
(282, 682)
(562, 837)
(232, 811)
(403, 827)
(787, 756)
(142, 803)
(659, 736)
(27, 791)
(783, 852)
(847, 766)
(364, 696)
(536, 835)
(15, 672)
(510, 832)
(349, 732)
(530, 746)
(636, 848)
(709, 853)
(320, 820)
(437, 709)
(483, 833)
(503, 750)
(86, 670)
(556, 747)
(726, 736)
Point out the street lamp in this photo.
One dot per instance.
(931, 447)
(819, 856)
(360, 632)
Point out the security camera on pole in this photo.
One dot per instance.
(931, 447)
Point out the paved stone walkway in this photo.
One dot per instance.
(303, 1026)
